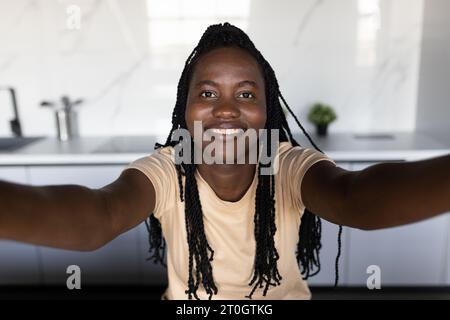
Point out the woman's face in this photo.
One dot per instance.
(226, 91)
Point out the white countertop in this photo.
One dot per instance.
(341, 147)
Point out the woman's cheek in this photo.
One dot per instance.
(257, 117)
(195, 112)
(200, 111)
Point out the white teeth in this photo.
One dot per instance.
(226, 131)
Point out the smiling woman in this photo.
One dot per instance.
(226, 84)
(242, 227)
(231, 230)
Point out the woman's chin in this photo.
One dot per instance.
(225, 157)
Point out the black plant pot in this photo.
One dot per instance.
(322, 130)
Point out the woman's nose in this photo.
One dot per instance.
(227, 110)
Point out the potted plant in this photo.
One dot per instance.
(321, 115)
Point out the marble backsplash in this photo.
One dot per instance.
(124, 58)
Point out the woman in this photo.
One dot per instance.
(231, 231)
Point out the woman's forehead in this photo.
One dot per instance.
(227, 63)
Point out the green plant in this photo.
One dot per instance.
(321, 114)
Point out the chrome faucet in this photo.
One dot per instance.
(15, 122)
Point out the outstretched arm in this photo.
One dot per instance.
(380, 196)
(72, 216)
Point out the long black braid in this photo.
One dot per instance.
(266, 255)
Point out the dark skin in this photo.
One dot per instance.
(227, 86)
(381, 196)
(79, 218)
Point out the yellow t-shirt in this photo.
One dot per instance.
(229, 226)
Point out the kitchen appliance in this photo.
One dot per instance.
(66, 117)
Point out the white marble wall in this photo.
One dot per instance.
(433, 105)
(361, 56)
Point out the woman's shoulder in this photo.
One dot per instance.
(159, 167)
(291, 156)
(162, 156)
(286, 148)
(167, 153)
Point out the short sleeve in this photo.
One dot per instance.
(293, 166)
(159, 168)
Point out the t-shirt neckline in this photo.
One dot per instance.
(241, 201)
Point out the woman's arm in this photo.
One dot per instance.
(380, 196)
(72, 216)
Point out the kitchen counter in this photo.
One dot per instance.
(408, 146)
(341, 147)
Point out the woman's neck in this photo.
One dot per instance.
(230, 182)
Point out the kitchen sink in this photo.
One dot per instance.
(9, 144)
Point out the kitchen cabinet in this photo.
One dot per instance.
(115, 263)
(447, 253)
(413, 254)
(19, 263)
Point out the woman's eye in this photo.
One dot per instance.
(207, 94)
(247, 95)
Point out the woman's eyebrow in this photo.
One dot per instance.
(215, 84)
(248, 83)
(207, 82)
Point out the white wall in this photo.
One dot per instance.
(361, 56)
(433, 114)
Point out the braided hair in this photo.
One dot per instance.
(265, 264)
